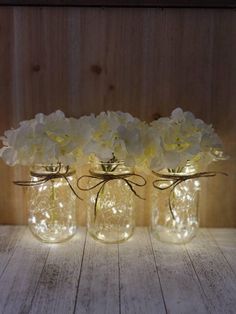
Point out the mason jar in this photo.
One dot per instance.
(174, 205)
(110, 210)
(52, 203)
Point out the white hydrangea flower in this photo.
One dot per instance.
(137, 144)
(46, 139)
(185, 138)
(106, 141)
(166, 143)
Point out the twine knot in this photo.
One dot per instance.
(50, 175)
(104, 178)
(173, 180)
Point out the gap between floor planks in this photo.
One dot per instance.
(139, 276)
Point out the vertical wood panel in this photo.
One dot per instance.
(98, 287)
(214, 273)
(145, 61)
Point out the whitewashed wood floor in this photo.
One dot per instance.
(139, 276)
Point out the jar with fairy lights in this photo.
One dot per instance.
(174, 202)
(52, 203)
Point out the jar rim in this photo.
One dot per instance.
(44, 169)
(184, 171)
(118, 167)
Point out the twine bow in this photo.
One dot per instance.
(51, 175)
(173, 180)
(104, 178)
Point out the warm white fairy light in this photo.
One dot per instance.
(114, 210)
(114, 218)
(52, 210)
(180, 225)
(175, 143)
(61, 205)
(47, 215)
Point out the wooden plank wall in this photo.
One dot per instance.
(146, 61)
(126, 3)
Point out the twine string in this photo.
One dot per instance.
(173, 180)
(51, 175)
(104, 178)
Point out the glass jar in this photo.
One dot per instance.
(110, 214)
(52, 203)
(175, 207)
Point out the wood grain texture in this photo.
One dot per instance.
(138, 276)
(215, 274)
(127, 3)
(145, 61)
(20, 279)
(98, 288)
(140, 290)
(178, 279)
(226, 241)
(60, 277)
(9, 238)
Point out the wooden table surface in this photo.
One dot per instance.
(141, 275)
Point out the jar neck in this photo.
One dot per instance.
(46, 169)
(117, 167)
(188, 168)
